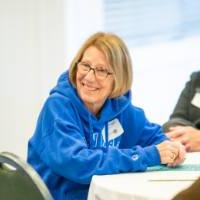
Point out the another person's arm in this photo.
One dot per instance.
(180, 113)
(187, 135)
(184, 122)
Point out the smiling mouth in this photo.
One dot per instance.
(89, 88)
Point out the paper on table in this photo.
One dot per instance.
(185, 167)
(186, 172)
(174, 177)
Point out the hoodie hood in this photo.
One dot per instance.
(111, 109)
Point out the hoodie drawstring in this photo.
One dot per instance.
(106, 133)
(90, 129)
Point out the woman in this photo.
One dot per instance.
(88, 125)
(184, 123)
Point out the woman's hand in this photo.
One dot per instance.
(187, 135)
(171, 153)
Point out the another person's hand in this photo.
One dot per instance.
(187, 135)
(171, 153)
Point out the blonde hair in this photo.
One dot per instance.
(117, 55)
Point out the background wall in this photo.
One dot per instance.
(160, 74)
(32, 54)
(38, 39)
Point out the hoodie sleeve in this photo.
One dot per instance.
(139, 130)
(61, 144)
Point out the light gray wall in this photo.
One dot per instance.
(31, 57)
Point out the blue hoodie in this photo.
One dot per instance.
(70, 144)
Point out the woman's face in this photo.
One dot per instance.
(93, 90)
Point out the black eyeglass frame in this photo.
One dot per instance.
(94, 70)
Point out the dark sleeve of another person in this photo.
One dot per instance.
(180, 115)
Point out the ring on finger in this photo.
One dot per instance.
(173, 156)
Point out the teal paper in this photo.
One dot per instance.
(186, 167)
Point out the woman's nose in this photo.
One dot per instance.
(90, 75)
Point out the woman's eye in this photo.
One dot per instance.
(102, 70)
(86, 65)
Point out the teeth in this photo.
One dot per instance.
(89, 87)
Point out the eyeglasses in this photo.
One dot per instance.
(99, 72)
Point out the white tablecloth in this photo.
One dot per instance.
(159, 183)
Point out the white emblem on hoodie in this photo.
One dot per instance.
(115, 129)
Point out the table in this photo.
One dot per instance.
(157, 183)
